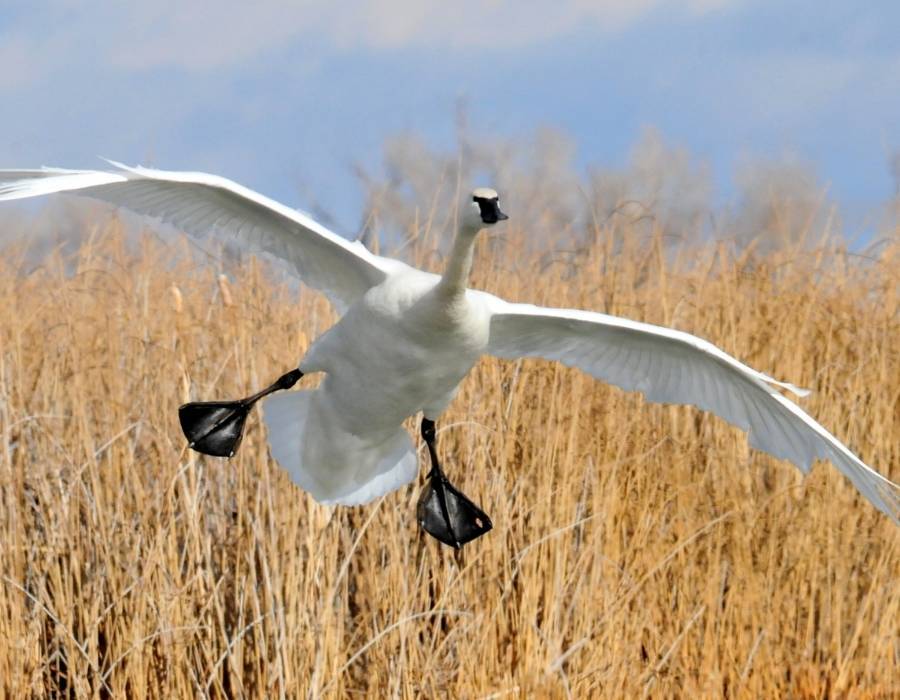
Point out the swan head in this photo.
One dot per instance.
(482, 210)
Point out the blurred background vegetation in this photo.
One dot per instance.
(638, 550)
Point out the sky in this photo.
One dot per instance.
(289, 97)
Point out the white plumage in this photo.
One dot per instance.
(409, 337)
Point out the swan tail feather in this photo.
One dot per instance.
(334, 466)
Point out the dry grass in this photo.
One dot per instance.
(637, 549)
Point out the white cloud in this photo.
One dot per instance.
(207, 34)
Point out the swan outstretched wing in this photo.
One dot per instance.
(201, 204)
(670, 366)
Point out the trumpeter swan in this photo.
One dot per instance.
(406, 340)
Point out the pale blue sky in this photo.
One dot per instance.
(286, 97)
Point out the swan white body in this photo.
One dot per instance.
(408, 338)
(383, 365)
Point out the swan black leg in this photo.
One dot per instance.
(216, 427)
(443, 511)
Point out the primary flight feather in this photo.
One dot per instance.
(407, 338)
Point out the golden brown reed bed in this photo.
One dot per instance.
(637, 549)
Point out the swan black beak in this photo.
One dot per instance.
(445, 513)
(215, 428)
(489, 208)
(490, 212)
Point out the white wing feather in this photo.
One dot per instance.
(670, 366)
(201, 204)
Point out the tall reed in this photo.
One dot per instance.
(637, 550)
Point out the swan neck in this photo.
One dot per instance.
(456, 274)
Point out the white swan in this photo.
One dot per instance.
(409, 337)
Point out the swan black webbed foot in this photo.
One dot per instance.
(216, 427)
(443, 511)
